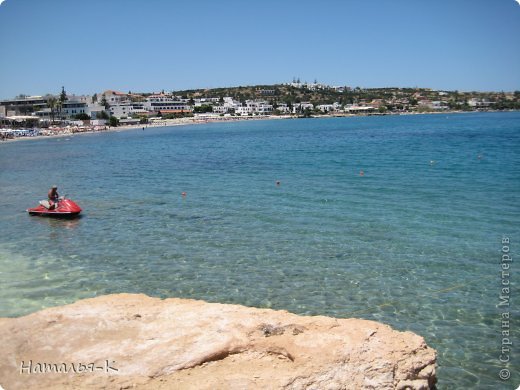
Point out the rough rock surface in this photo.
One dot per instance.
(189, 344)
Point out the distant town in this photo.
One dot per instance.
(66, 113)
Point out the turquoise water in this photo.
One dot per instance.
(414, 243)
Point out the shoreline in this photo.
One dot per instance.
(67, 132)
(73, 131)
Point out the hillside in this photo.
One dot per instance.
(389, 98)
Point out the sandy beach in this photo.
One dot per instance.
(56, 132)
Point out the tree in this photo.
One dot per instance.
(104, 102)
(82, 117)
(62, 99)
(94, 98)
(203, 108)
(63, 95)
(52, 103)
(304, 113)
(453, 105)
(113, 122)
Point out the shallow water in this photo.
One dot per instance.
(414, 243)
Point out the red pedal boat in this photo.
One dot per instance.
(65, 208)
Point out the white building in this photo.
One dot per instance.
(95, 111)
(70, 108)
(283, 108)
(325, 107)
(220, 109)
(259, 107)
(114, 97)
(298, 107)
(125, 110)
(165, 103)
(231, 104)
(433, 105)
(244, 110)
(355, 109)
(439, 105)
(80, 98)
(263, 108)
(479, 103)
(205, 101)
(329, 107)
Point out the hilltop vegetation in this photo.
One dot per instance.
(383, 99)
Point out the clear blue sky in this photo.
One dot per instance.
(147, 45)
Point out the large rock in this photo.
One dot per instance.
(127, 340)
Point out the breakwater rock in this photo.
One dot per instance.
(134, 341)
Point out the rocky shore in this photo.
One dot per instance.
(135, 341)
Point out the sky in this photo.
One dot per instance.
(153, 45)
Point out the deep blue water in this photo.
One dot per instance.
(414, 243)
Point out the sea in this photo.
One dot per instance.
(403, 220)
